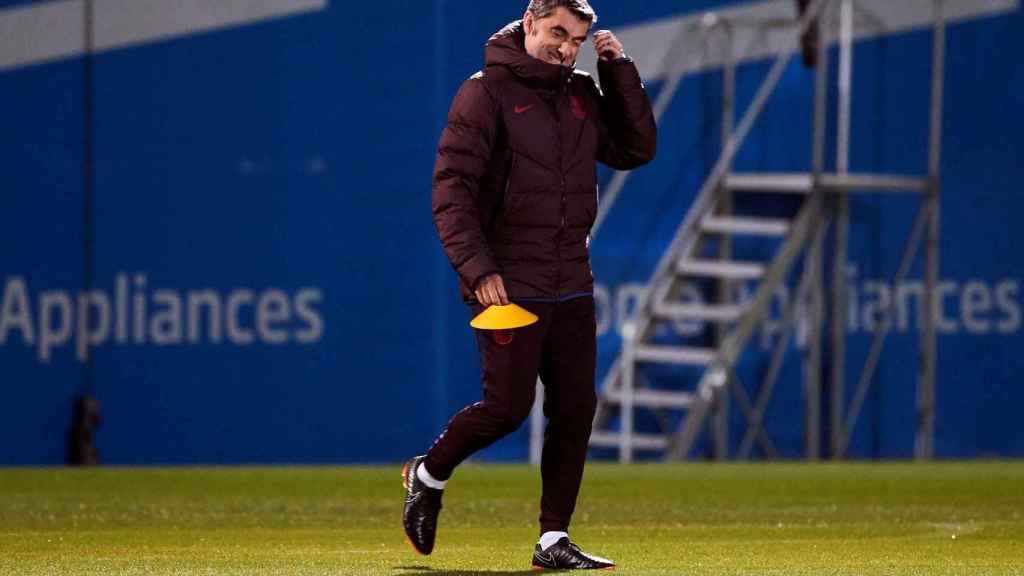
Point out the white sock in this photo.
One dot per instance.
(549, 539)
(426, 478)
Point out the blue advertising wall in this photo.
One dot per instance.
(249, 271)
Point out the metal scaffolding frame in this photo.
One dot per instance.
(826, 204)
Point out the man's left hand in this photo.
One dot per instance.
(607, 45)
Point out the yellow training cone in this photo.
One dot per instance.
(503, 318)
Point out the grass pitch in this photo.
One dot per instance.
(700, 519)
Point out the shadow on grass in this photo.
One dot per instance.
(428, 571)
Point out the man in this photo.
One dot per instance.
(514, 197)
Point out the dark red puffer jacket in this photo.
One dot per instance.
(515, 182)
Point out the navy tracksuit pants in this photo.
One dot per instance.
(562, 348)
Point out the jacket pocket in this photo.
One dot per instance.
(511, 202)
(508, 177)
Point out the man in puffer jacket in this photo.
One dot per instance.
(515, 195)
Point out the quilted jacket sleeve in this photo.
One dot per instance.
(462, 157)
(629, 137)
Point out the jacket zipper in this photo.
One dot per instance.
(563, 92)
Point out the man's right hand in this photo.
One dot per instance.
(491, 291)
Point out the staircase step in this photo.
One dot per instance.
(730, 270)
(652, 398)
(640, 441)
(675, 355)
(749, 226)
(716, 313)
(784, 183)
(875, 183)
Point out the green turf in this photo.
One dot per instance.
(781, 519)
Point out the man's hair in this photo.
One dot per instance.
(579, 8)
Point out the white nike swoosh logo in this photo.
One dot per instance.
(545, 557)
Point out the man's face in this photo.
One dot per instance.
(556, 38)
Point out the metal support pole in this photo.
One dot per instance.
(626, 406)
(88, 183)
(728, 87)
(725, 288)
(924, 445)
(813, 259)
(845, 86)
(821, 94)
(842, 221)
(812, 360)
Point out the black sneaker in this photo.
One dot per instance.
(422, 505)
(564, 555)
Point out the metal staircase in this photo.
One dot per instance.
(680, 266)
(700, 254)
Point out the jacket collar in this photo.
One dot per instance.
(507, 48)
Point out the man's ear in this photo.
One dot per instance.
(528, 22)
